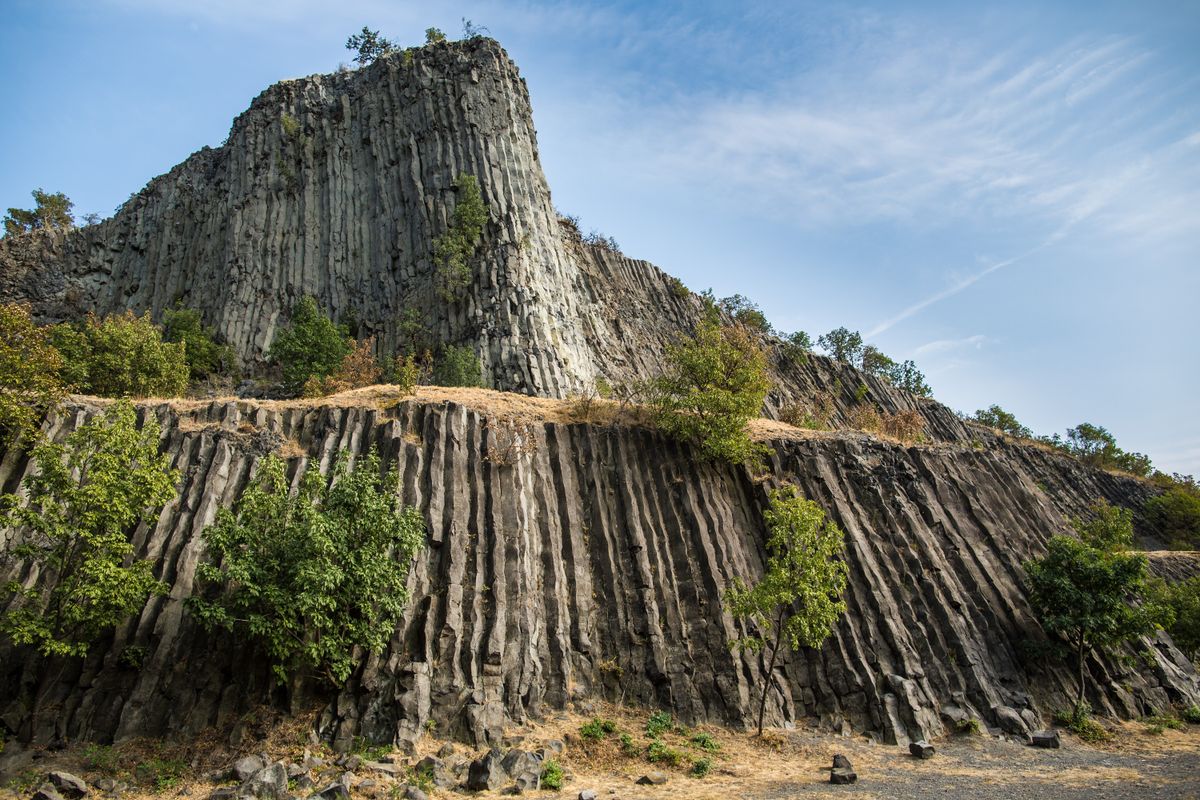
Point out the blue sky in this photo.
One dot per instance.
(1007, 193)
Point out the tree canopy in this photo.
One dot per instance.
(83, 498)
(311, 346)
(31, 379)
(50, 211)
(798, 600)
(368, 46)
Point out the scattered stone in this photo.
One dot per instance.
(414, 793)
(46, 792)
(921, 749)
(313, 762)
(525, 768)
(555, 746)
(68, 785)
(446, 750)
(334, 791)
(387, 769)
(587, 794)
(269, 783)
(109, 785)
(655, 778)
(486, 772)
(1049, 739)
(245, 767)
(841, 776)
(1011, 722)
(841, 762)
(295, 770)
(350, 763)
(437, 771)
(303, 782)
(223, 793)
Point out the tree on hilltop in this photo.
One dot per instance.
(369, 45)
(50, 211)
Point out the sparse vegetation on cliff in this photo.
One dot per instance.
(315, 573)
(452, 251)
(996, 417)
(1176, 512)
(122, 355)
(30, 374)
(83, 498)
(368, 46)
(50, 211)
(799, 598)
(716, 383)
(312, 346)
(457, 366)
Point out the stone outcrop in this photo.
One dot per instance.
(594, 567)
(337, 185)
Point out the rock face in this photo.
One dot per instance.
(337, 185)
(594, 567)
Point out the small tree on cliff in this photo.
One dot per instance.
(84, 497)
(313, 573)
(368, 46)
(717, 382)
(799, 598)
(312, 346)
(1091, 590)
(49, 211)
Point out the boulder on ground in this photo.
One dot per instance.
(47, 792)
(588, 794)
(841, 762)
(485, 773)
(269, 783)
(1048, 739)
(334, 791)
(245, 767)
(68, 785)
(841, 776)
(921, 749)
(655, 778)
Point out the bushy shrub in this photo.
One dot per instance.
(315, 573)
(597, 729)
(458, 366)
(1078, 720)
(701, 767)
(996, 417)
(815, 414)
(658, 723)
(204, 356)
(716, 384)
(1183, 600)
(1191, 714)
(865, 417)
(405, 374)
(679, 288)
(1176, 513)
(453, 250)
(121, 356)
(552, 775)
(359, 368)
(705, 742)
(83, 498)
(311, 346)
(31, 381)
(907, 426)
(658, 752)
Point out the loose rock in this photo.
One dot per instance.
(841, 762)
(655, 778)
(587, 794)
(68, 785)
(269, 783)
(1049, 739)
(46, 792)
(921, 749)
(486, 772)
(841, 776)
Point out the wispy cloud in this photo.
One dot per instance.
(950, 345)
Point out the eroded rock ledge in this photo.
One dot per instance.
(594, 568)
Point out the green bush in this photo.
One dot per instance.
(1176, 513)
(1079, 721)
(458, 366)
(705, 742)
(204, 356)
(121, 356)
(1157, 723)
(315, 573)
(716, 383)
(996, 417)
(312, 346)
(1183, 600)
(453, 250)
(659, 753)
(31, 374)
(552, 775)
(628, 747)
(658, 724)
(597, 729)
(1191, 714)
(84, 496)
(701, 767)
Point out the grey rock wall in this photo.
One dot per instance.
(594, 567)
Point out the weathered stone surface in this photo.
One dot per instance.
(841, 776)
(334, 791)
(486, 772)
(921, 750)
(611, 543)
(269, 783)
(655, 778)
(1048, 739)
(46, 792)
(841, 762)
(68, 785)
(587, 794)
(245, 767)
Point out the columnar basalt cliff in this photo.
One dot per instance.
(337, 185)
(594, 567)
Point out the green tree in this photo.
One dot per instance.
(1095, 446)
(746, 312)
(83, 498)
(716, 383)
(1183, 600)
(50, 211)
(204, 356)
(874, 362)
(452, 251)
(458, 366)
(315, 573)
(906, 376)
(799, 598)
(1176, 513)
(434, 35)
(368, 46)
(30, 373)
(1090, 590)
(121, 355)
(843, 345)
(312, 346)
(996, 417)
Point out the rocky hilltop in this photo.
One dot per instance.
(594, 566)
(591, 567)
